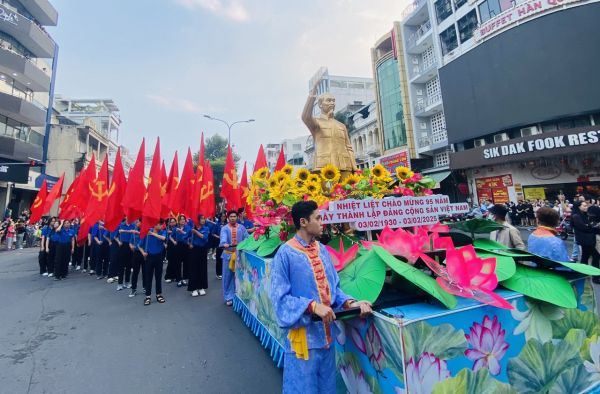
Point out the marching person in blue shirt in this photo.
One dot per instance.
(102, 239)
(79, 250)
(43, 255)
(182, 251)
(172, 257)
(64, 249)
(198, 238)
(113, 256)
(51, 244)
(93, 239)
(216, 235)
(152, 246)
(243, 220)
(125, 260)
(137, 261)
(231, 235)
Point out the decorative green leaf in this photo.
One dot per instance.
(505, 266)
(348, 241)
(588, 298)
(426, 182)
(585, 348)
(250, 243)
(488, 244)
(582, 268)
(269, 246)
(538, 366)
(363, 278)
(425, 282)
(289, 200)
(469, 382)
(443, 341)
(477, 226)
(542, 284)
(390, 340)
(576, 319)
(574, 380)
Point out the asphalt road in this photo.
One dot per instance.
(83, 336)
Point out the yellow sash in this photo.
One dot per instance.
(298, 342)
(231, 260)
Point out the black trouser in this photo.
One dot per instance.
(113, 265)
(219, 266)
(87, 251)
(61, 262)
(138, 263)
(42, 256)
(92, 255)
(154, 268)
(125, 262)
(198, 268)
(588, 251)
(172, 257)
(51, 256)
(183, 259)
(102, 252)
(78, 255)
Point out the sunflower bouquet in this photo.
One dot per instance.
(412, 184)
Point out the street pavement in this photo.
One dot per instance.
(82, 336)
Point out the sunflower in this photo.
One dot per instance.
(313, 188)
(314, 178)
(352, 179)
(379, 171)
(273, 181)
(302, 174)
(288, 169)
(404, 172)
(330, 173)
(278, 191)
(262, 173)
(280, 176)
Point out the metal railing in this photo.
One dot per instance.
(412, 40)
(12, 91)
(30, 19)
(424, 142)
(31, 59)
(417, 70)
(427, 101)
(408, 11)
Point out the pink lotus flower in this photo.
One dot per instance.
(283, 236)
(424, 374)
(488, 345)
(408, 192)
(258, 232)
(432, 239)
(375, 349)
(269, 203)
(282, 210)
(341, 259)
(255, 279)
(354, 383)
(350, 328)
(467, 275)
(398, 243)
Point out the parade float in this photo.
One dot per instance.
(453, 313)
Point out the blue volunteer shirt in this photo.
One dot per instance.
(196, 239)
(181, 235)
(126, 237)
(75, 229)
(45, 231)
(247, 223)
(114, 235)
(53, 236)
(64, 236)
(153, 245)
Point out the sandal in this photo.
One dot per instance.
(147, 301)
(160, 299)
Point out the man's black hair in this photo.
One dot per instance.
(303, 210)
(232, 212)
(587, 197)
(240, 210)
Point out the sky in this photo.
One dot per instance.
(166, 63)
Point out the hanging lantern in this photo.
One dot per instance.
(475, 171)
(532, 163)
(490, 169)
(521, 166)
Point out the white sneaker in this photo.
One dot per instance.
(195, 293)
(229, 303)
(168, 281)
(119, 287)
(50, 275)
(45, 274)
(110, 280)
(84, 271)
(69, 263)
(202, 292)
(92, 272)
(128, 285)
(219, 277)
(184, 282)
(77, 268)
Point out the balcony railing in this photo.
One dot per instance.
(30, 19)
(424, 142)
(408, 11)
(7, 47)
(426, 102)
(418, 69)
(11, 90)
(412, 40)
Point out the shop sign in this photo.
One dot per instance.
(546, 173)
(484, 195)
(373, 214)
(494, 181)
(535, 193)
(515, 14)
(17, 173)
(500, 195)
(394, 160)
(9, 17)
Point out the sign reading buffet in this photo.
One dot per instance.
(374, 214)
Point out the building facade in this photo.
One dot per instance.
(364, 135)
(27, 58)
(293, 151)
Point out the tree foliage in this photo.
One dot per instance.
(215, 150)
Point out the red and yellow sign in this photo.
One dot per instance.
(494, 181)
(500, 195)
(394, 160)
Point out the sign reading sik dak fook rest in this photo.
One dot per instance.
(373, 214)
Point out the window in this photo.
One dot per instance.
(370, 85)
(466, 25)
(549, 127)
(356, 85)
(428, 57)
(338, 84)
(438, 127)
(582, 121)
(448, 40)
(441, 159)
(489, 9)
(459, 3)
(443, 9)
(390, 101)
(296, 147)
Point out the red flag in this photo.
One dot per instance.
(229, 190)
(114, 209)
(261, 159)
(280, 160)
(81, 194)
(96, 207)
(201, 153)
(207, 194)
(66, 208)
(38, 204)
(133, 199)
(54, 194)
(172, 182)
(184, 190)
(163, 180)
(195, 207)
(151, 211)
(244, 193)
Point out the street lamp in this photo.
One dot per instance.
(229, 126)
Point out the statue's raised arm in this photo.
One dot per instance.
(307, 113)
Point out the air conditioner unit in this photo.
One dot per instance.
(527, 131)
(480, 142)
(501, 137)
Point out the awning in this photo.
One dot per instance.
(438, 177)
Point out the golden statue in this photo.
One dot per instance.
(332, 144)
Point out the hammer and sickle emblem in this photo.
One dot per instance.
(233, 180)
(37, 202)
(101, 192)
(206, 191)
